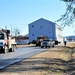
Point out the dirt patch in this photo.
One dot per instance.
(71, 44)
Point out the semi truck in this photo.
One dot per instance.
(7, 43)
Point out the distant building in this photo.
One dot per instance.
(44, 28)
(69, 38)
(21, 40)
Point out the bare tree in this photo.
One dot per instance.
(67, 0)
(16, 32)
(68, 18)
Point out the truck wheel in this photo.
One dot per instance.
(53, 46)
(41, 46)
(46, 47)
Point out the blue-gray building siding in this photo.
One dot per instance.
(42, 27)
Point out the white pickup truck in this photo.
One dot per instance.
(47, 43)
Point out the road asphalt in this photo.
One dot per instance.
(11, 58)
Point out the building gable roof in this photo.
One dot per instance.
(41, 19)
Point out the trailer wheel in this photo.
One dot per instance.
(13, 48)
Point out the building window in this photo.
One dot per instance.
(32, 34)
(32, 25)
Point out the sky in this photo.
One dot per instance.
(20, 13)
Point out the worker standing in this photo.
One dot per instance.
(65, 42)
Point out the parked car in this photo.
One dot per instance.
(47, 43)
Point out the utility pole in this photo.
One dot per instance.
(11, 29)
(5, 27)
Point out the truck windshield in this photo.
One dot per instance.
(1, 36)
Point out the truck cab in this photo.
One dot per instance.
(7, 44)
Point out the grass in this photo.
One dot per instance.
(71, 44)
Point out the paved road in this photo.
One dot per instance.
(20, 54)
